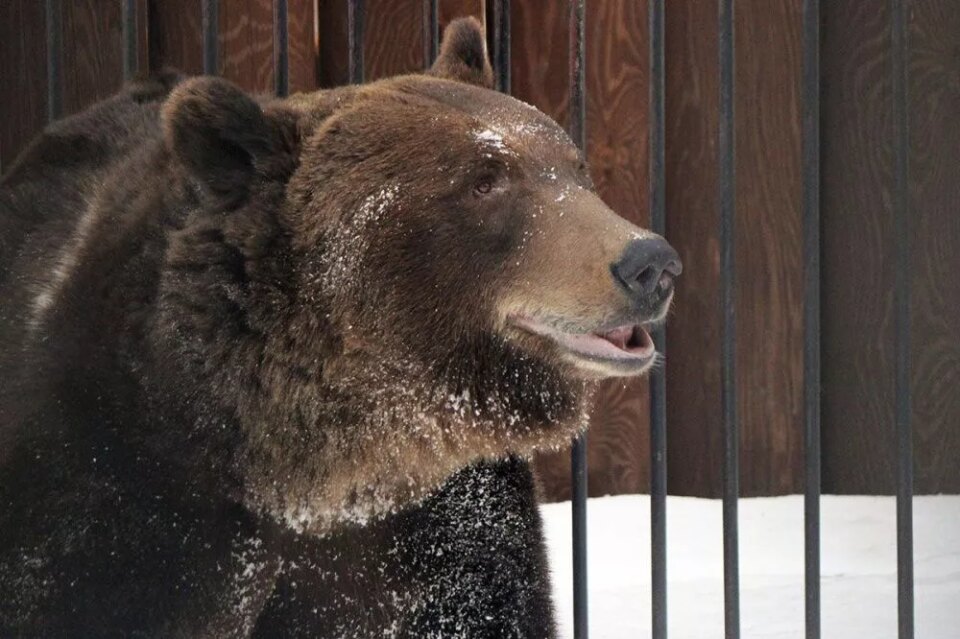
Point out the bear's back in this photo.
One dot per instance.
(46, 196)
(44, 192)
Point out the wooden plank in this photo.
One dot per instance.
(143, 36)
(332, 42)
(176, 35)
(857, 249)
(768, 285)
(246, 43)
(694, 446)
(393, 41)
(23, 99)
(92, 52)
(934, 93)
(453, 9)
(303, 30)
(769, 257)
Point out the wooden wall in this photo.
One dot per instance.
(857, 246)
(858, 242)
(767, 284)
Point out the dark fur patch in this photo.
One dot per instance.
(224, 138)
(200, 401)
(463, 55)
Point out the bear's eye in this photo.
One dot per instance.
(483, 186)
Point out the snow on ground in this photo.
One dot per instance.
(858, 542)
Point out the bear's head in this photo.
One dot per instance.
(436, 254)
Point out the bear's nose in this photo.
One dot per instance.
(646, 270)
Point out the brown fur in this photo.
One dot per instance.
(258, 320)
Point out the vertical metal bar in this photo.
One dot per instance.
(578, 459)
(578, 104)
(211, 36)
(501, 44)
(578, 112)
(658, 379)
(811, 323)
(128, 12)
(355, 27)
(281, 48)
(731, 440)
(901, 215)
(317, 62)
(431, 32)
(54, 27)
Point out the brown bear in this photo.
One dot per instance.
(274, 368)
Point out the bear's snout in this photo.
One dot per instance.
(645, 273)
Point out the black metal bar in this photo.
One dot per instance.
(129, 16)
(281, 48)
(210, 10)
(901, 214)
(317, 61)
(578, 459)
(54, 27)
(731, 438)
(811, 317)
(578, 133)
(431, 32)
(658, 379)
(578, 105)
(355, 28)
(501, 44)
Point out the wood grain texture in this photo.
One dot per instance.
(769, 246)
(859, 245)
(143, 36)
(393, 38)
(303, 33)
(332, 42)
(393, 41)
(539, 64)
(176, 35)
(452, 9)
(857, 249)
(23, 82)
(694, 445)
(92, 52)
(934, 91)
(246, 44)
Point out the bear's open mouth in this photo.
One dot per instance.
(627, 348)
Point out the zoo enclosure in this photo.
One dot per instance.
(659, 98)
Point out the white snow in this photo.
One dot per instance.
(858, 543)
(491, 138)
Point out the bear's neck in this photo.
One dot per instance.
(365, 435)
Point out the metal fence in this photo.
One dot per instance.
(726, 145)
(499, 25)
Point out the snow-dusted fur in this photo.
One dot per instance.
(257, 376)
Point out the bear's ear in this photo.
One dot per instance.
(463, 55)
(223, 138)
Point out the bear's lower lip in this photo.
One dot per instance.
(628, 347)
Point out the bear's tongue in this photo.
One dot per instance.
(627, 338)
(628, 342)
